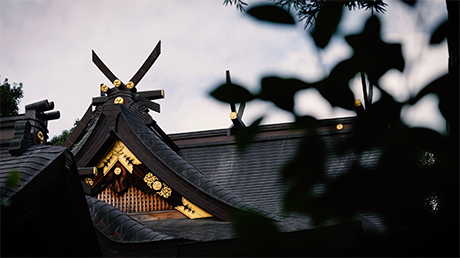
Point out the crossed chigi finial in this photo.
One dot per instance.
(131, 85)
(236, 117)
(145, 97)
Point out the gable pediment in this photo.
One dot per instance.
(121, 179)
(121, 154)
(98, 148)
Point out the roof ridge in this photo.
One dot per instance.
(185, 169)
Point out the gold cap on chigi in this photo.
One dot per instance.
(130, 85)
(104, 88)
(357, 102)
(117, 83)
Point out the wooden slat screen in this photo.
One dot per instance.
(134, 200)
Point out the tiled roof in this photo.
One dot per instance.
(44, 213)
(255, 175)
(119, 227)
(75, 148)
(29, 164)
(185, 169)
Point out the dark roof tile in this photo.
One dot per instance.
(34, 160)
(178, 164)
(118, 226)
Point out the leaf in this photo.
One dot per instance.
(13, 179)
(371, 54)
(232, 93)
(301, 122)
(302, 173)
(439, 34)
(335, 88)
(271, 13)
(281, 91)
(439, 87)
(447, 91)
(327, 22)
(256, 234)
(247, 135)
(385, 112)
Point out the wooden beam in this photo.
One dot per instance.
(77, 132)
(104, 69)
(98, 100)
(229, 81)
(150, 104)
(152, 94)
(147, 64)
(85, 171)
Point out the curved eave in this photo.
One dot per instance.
(119, 227)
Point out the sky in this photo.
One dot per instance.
(47, 46)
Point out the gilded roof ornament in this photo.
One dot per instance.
(118, 153)
(117, 171)
(40, 137)
(89, 181)
(130, 85)
(191, 210)
(357, 102)
(117, 83)
(119, 100)
(154, 183)
(104, 88)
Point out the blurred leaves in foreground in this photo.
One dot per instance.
(413, 182)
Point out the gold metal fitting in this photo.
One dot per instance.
(117, 171)
(95, 171)
(233, 115)
(40, 137)
(163, 93)
(339, 127)
(357, 102)
(104, 88)
(117, 83)
(119, 100)
(130, 85)
(156, 185)
(89, 181)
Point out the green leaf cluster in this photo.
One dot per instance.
(10, 98)
(60, 139)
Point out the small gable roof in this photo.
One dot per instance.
(43, 207)
(36, 161)
(119, 122)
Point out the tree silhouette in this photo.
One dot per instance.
(10, 98)
(308, 10)
(60, 139)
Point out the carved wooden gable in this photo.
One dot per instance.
(127, 160)
(122, 180)
(118, 176)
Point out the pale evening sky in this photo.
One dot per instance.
(47, 46)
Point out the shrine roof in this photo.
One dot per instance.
(119, 227)
(30, 164)
(255, 175)
(185, 169)
(143, 140)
